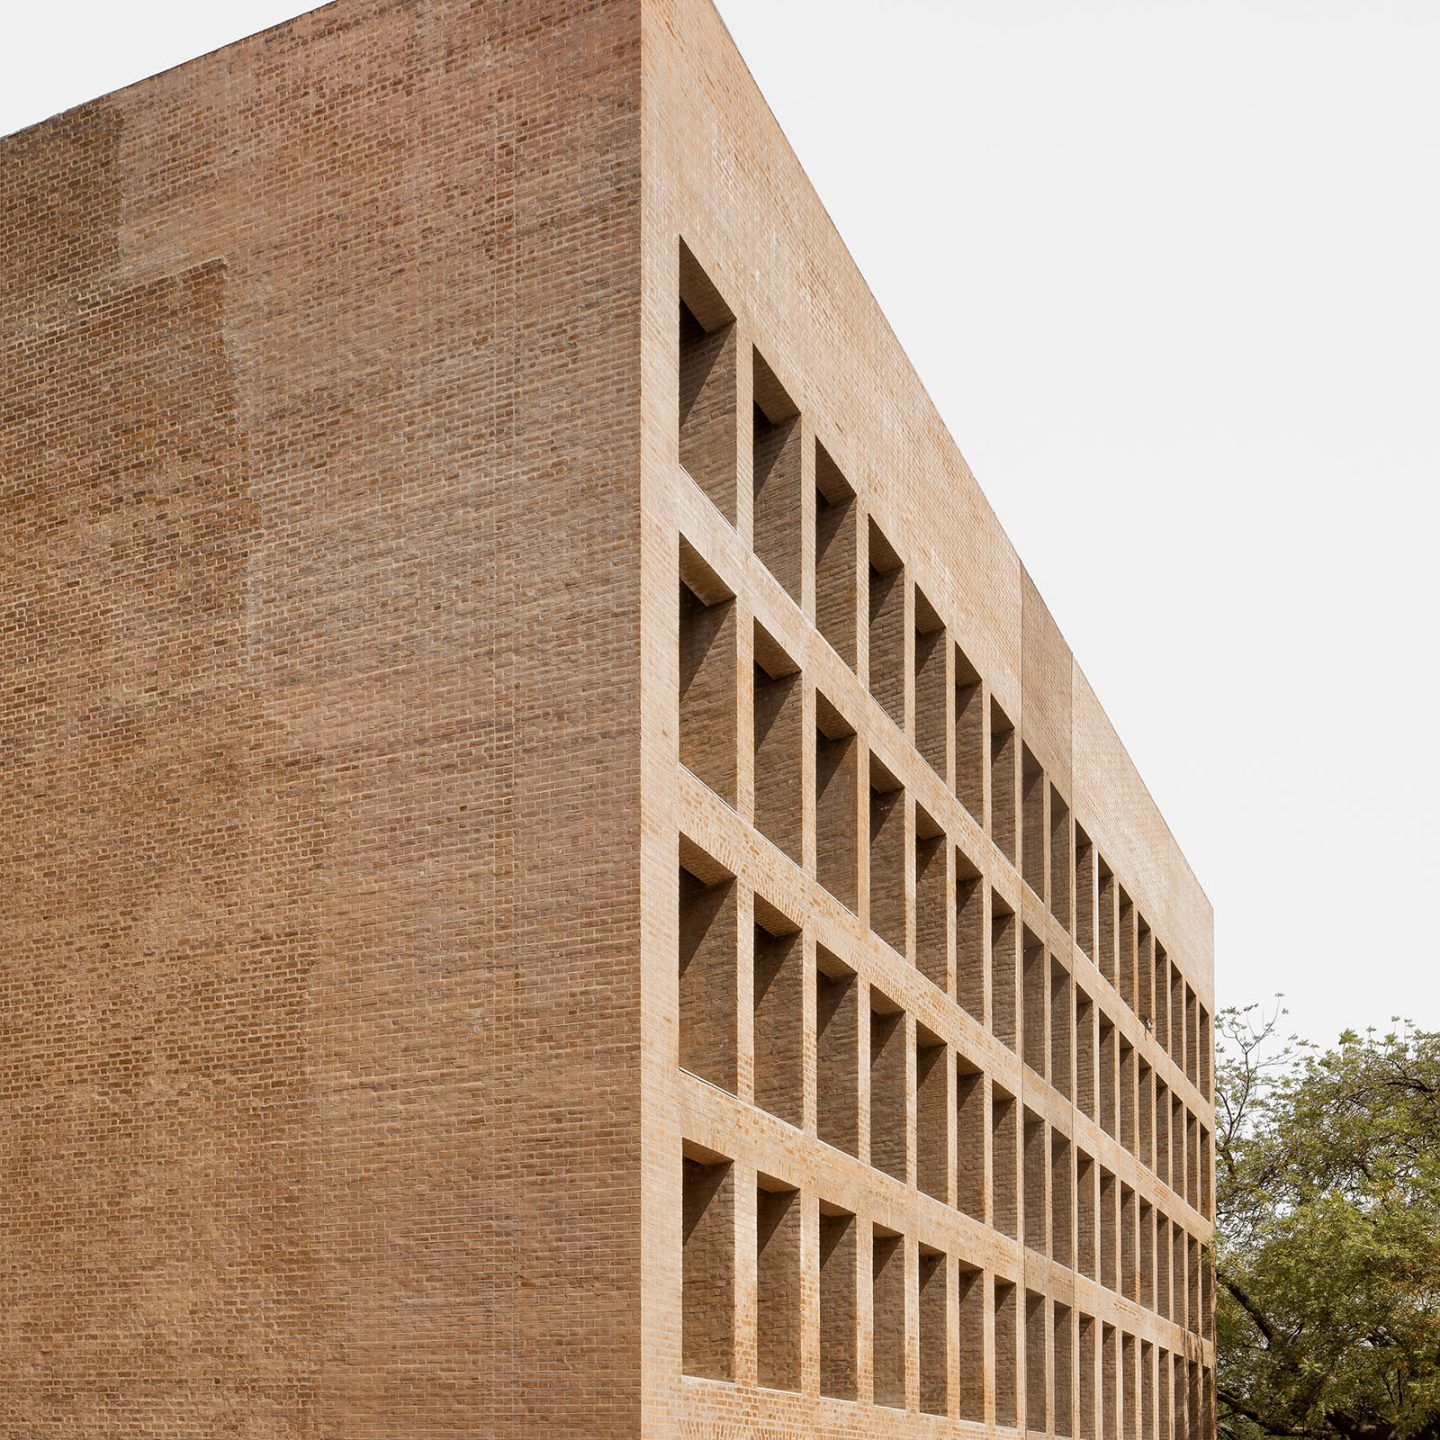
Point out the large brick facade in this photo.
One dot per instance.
(559, 878)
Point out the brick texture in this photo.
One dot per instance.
(319, 435)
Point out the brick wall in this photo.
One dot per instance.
(889, 832)
(318, 782)
(562, 879)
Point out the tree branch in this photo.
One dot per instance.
(1238, 1405)
(1252, 1310)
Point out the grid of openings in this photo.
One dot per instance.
(918, 887)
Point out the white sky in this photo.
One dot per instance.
(1172, 273)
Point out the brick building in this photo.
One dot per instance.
(560, 879)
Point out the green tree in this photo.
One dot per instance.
(1328, 1246)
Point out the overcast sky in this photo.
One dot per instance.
(1171, 272)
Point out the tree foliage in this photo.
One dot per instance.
(1328, 1251)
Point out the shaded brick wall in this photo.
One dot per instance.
(318, 576)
